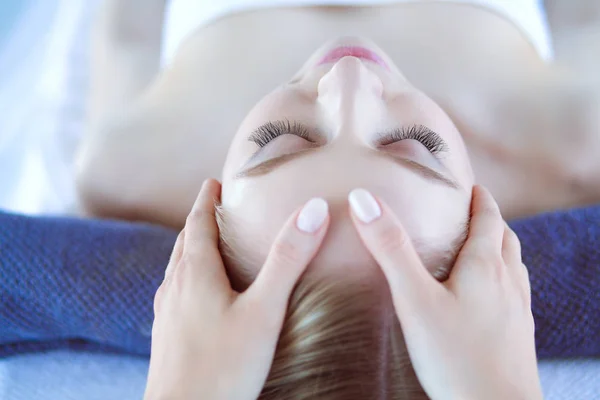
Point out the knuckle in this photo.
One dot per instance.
(497, 264)
(522, 296)
(187, 258)
(524, 278)
(181, 273)
(491, 213)
(391, 239)
(159, 297)
(526, 296)
(490, 210)
(514, 239)
(197, 217)
(511, 234)
(286, 252)
(525, 273)
(487, 262)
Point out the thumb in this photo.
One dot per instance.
(388, 242)
(292, 251)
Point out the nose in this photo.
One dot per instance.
(350, 94)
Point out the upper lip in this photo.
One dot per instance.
(353, 51)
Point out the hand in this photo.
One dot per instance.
(471, 337)
(209, 342)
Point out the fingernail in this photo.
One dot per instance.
(312, 216)
(364, 205)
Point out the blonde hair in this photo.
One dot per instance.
(341, 338)
(340, 341)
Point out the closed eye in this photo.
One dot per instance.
(273, 129)
(428, 138)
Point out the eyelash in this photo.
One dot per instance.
(272, 130)
(428, 138)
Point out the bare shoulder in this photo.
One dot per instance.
(137, 167)
(147, 151)
(536, 145)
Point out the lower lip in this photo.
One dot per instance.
(353, 51)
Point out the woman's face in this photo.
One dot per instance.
(348, 119)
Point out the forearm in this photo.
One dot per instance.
(135, 169)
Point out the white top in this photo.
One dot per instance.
(185, 16)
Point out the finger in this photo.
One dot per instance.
(511, 248)
(292, 251)
(385, 237)
(481, 255)
(486, 228)
(201, 224)
(175, 255)
(511, 253)
(200, 250)
(526, 285)
(159, 297)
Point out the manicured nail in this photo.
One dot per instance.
(364, 205)
(313, 215)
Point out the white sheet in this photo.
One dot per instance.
(78, 376)
(43, 81)
(63, 375)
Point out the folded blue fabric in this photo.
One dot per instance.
(89, 284)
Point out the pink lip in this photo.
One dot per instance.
(353, 51)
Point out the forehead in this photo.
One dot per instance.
(341, 254)
(265, 202)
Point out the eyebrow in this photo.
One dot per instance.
(267, 166)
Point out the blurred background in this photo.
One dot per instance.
(44, 46)
(9, 13)
(43, 80)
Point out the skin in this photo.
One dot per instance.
(209, 341)
(153, 137)
(531, 128)
(488, 291)
(348, 104)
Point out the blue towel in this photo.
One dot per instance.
(89, 284)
